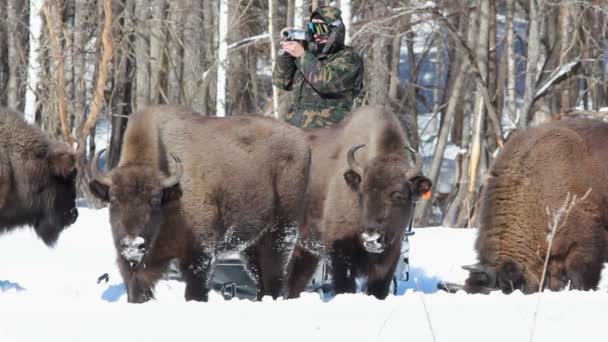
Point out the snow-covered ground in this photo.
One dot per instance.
(52, 295)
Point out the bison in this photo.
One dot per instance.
(190, 187)
(538, 170)
(362, 195)
(37, 179)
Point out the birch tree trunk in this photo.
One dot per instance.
(533, 56)
(156, 24)
(33, 68)
(142, 56)
(222, 60)
(345, 8)
(272, 33)
(298, 14)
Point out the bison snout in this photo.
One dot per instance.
(372, 241)
(133, 249)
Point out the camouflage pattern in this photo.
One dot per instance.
(329, 13)
(323, 87)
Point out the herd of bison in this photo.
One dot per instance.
(190, 187)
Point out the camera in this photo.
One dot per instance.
(295, 34)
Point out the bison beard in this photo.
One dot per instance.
(37, 179)
(538, 169)
(239, 184)
(363, 186)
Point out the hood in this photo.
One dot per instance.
(332, 16)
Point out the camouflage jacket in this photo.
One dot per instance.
(323, 89)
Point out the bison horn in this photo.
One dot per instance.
(415, 171)
(96, 173)
(174, 178)
(352, 162)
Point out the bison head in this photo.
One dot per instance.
(57, 195)
(137, 195)
(387, 188)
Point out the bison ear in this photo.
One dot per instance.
(100, 191)
(353, 179)
(172, 193)
(63, 163)
(421, 187)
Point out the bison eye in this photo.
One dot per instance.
(398, 197)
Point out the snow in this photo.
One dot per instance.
(53, 295)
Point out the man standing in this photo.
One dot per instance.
(325, 78)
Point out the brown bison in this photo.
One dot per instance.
(531, 179)
(363, 190)
(37, 179)
(235, 183)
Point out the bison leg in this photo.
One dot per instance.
(252, 266)
(139, 282)
(302, 267)
(380, 287)
(342, 261)
(274, 250)
(584, 268)
(197, 274)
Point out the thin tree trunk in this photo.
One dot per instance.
(156, 24)
(193, 59)
(410, 117)
(510, 105)
(273, 51)
(33, 63)
(81, 30)
(479, 116)
(394, 83)
(174, 63)
(298, 14)
(142, 56)
(533, 57)
(222, 60)
(15, 49)
(121, 98)
(345, 8)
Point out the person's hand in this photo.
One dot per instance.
(293, 48)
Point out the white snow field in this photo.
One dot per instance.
(52, 295)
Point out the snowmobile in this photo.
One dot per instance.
(232, 281)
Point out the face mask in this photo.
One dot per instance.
(319, 29)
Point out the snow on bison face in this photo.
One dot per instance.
(137, 195)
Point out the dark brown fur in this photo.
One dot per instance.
(36, 179)
(243, 185)
(344, 204)
(536, 170)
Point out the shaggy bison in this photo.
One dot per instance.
(363, 189)
(528, 183)
(191, 187)
(37, 179)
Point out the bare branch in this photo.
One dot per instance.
(101, 77)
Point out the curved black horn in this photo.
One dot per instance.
(175, 177)
(418, 164)
(96, 173)
(352, 162)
